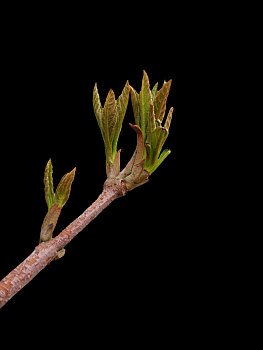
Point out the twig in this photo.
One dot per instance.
(45, 252)
(149, 108)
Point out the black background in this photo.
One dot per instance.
(143, 256)
(159, 263)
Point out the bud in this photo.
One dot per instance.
(110, 119)
(55, 201)
(149, 108)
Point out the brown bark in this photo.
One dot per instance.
(45, 252)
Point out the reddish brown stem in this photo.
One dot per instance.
(45, 252)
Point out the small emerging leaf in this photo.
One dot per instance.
(168, 119)
(148, 155)
(165, 153)
(151, 124)
(109, 115)
(149, 108)
(64, 187)
(161, 99)
(159, 136)
(145, 102)
(122, 101)
(97, 107)
(48, 182)
(135, 105)
(154, 91)
(122, 104)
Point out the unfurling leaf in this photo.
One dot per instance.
(97, 108)
(110, 115)
(168, 119)
(145, 102)
(151, 124)
(161, 99)
(64, 187)
(154, 91)
(122, 102)
(159, 136)
(135, 105)
(121, 106)
(149, 107)
(165, 153)
(55, 201)
(48, 182)
(110, 119)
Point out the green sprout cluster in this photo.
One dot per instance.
(55, 202)
(149, 108)
(110, 118)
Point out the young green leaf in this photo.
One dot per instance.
(168, 119)
(97, 108)
(159, 136)
(122, 104)
(64, 187)
(161, 99)
(145, 102)
(165, 153)
(109, 119)
(149, 108)
(48, 182)
(135, 105)
(151, 124)
(110, 114)
(154, 91)
(148, 160)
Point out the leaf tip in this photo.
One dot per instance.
(49, 164)
(72, 173)
(135, 127)
(145, 75)
(169, 82)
